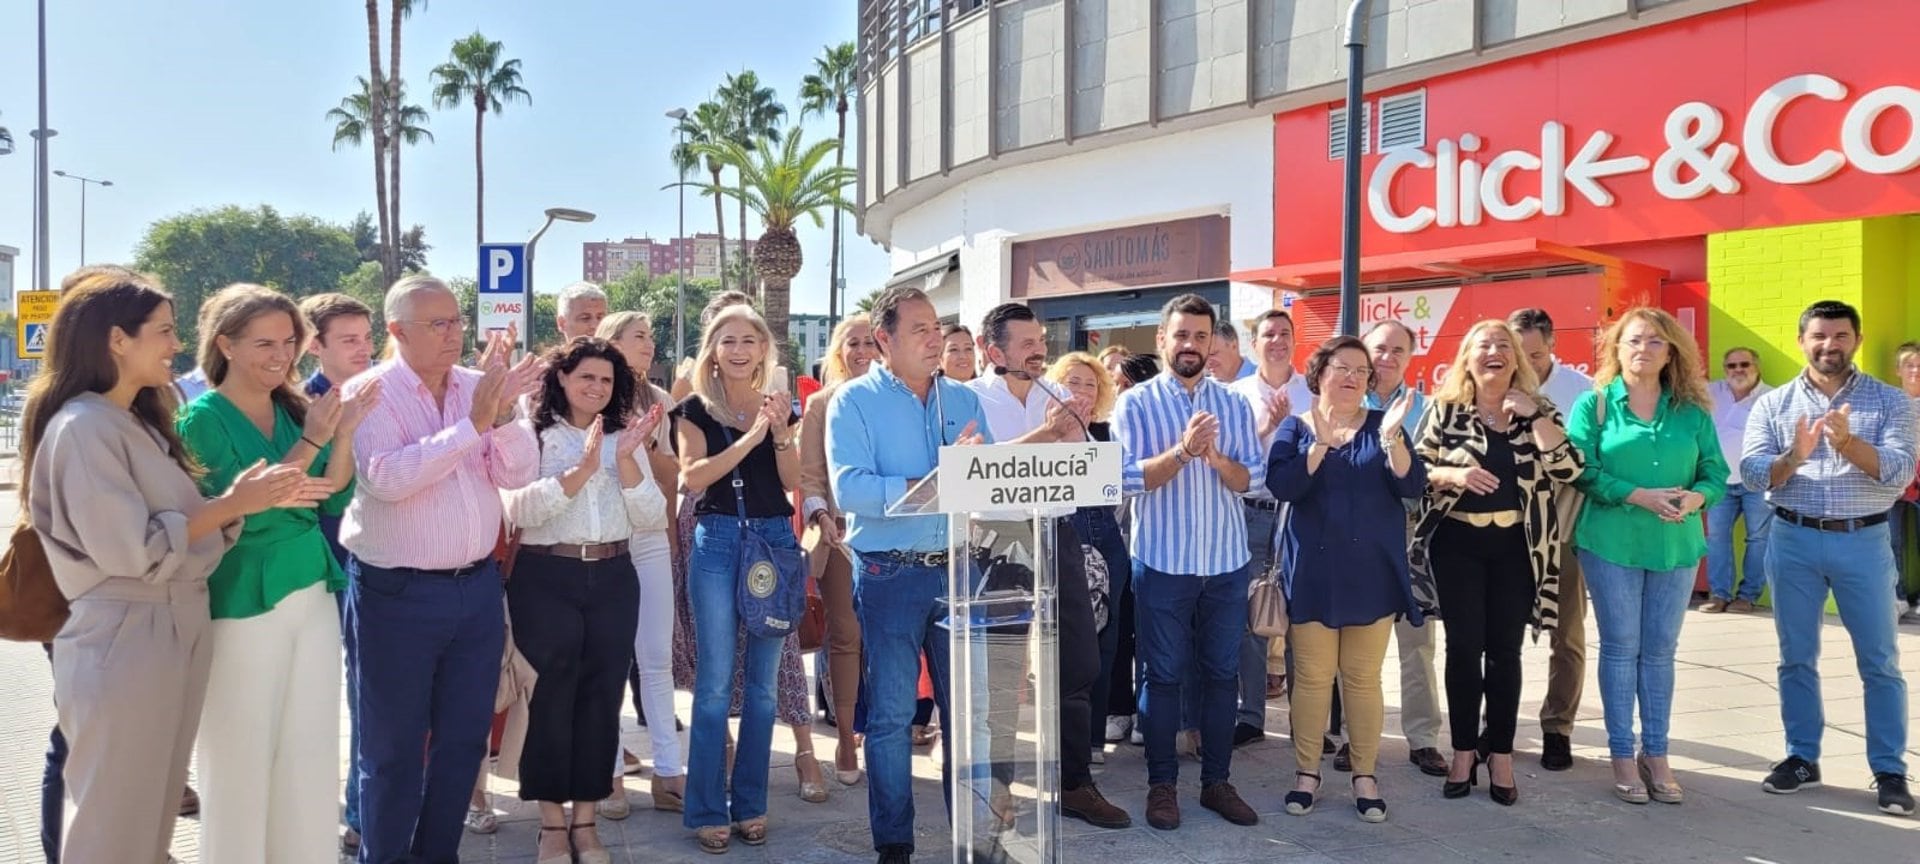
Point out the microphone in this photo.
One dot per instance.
(940, 405)
(1023, 375)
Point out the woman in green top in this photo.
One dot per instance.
(1653, 464)
(269, 770)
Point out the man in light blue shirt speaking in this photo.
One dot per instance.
(884, 433)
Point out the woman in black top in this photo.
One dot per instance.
(729, 430)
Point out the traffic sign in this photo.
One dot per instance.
(33, 312)
(502, 292)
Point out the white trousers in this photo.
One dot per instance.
(270, 736)
(653, 649)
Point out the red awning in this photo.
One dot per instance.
(1462, 261)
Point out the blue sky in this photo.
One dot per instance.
(201, 103)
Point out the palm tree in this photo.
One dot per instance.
(476, 75)
(406, 124)
(755, 113)
(377, 116)
(831, 88)
(782, 183)
(706, 125)
(401, 9)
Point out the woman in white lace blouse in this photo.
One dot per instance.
(572, 596)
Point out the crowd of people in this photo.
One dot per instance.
(532, 534)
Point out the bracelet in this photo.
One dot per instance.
(782, 445)
(316, 445)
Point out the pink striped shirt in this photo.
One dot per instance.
(428, 490)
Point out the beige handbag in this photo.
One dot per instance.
(1267, 605)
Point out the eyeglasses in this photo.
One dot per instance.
(442, 326)
(1350, 371)
(1739, 364)
(1654, 344)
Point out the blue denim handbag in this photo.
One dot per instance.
(771, 583)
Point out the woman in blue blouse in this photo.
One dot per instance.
(1345, 470)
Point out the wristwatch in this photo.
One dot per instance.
(1180, 456)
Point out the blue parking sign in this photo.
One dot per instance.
(502, 289)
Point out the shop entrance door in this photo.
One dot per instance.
(1093, 322)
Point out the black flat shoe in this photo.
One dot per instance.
(1462, 788)
(1370, 809)
(1301, 803)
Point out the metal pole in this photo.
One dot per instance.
(83, 223)
(1350, 205)
(42, 268)
(526, 312)
(680, 275)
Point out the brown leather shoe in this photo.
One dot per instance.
(1088, 805)
(1163, 807)
(1741, 605)
(1221, 798)
(1714, 606)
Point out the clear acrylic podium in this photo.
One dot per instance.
(1003, 638)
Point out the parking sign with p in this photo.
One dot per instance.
(502, 292)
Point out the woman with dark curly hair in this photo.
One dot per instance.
(572, 599)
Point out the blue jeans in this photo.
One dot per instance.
(1261, 527)
(1803, 564)
(1189, 626)
(428, 667)
(1639, 613)
(1740, 503)
(899, 610)
(330, 526)
(712, 594)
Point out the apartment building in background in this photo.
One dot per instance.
(612, 260)
(809, 333)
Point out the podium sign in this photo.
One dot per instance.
(1002, 503)
(1007, 477)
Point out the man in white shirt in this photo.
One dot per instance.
(1274, 391)
(1733, 398)
(1567, 671)
(1014, 395)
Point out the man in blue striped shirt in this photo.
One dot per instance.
(1189, 450)
(884, 433)
(1833, 449)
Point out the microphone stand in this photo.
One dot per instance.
(939, 407)
(1023, 375)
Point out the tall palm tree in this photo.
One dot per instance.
(405, 124)
(831, 87)
(388, 263)
(756, 114)
(401, 9)
(783, 183)
(706, 125)
(477, 75)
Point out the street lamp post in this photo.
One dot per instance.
(1350, 212)
(42, 269)
(84, 183)
(562, 214)
(679, 116)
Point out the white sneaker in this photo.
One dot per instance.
(1137, 737)
(1118, 725)
(1099, 756)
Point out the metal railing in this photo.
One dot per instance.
(889, 27)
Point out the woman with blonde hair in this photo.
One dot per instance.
(1486, 543)
(653, 552)
(109, 489)
(274, 685)
(850, 353)
(1653, 464)
(735, 440)
(1084, 378)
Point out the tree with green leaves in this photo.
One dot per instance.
(783, 183)
(197, 253)
(866, 303)
(706, 124)
(754, 115)
(396, 86)
(377, 127)
(413, 244)
(405, 125)
(478, 75)
(832, 86)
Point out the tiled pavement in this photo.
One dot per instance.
(1726, 730)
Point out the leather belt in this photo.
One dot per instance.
(1495, 519)
(917, 559)
(1262, 504)
(588, 552)
(1837, 525)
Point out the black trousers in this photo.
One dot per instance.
(574, 622)
(1485, 580)
(1079, 654)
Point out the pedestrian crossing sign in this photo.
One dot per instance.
(32, 313)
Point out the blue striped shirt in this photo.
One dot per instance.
(1193, 524)
(1827, 486)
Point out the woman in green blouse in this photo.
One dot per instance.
(1653, 464)
(269, 770)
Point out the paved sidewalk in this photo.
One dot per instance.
(1726, 731)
